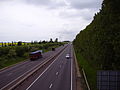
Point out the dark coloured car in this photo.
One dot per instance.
(53, 49)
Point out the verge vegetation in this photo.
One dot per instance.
(99, 42)
(10, 55)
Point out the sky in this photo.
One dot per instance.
(35, 20)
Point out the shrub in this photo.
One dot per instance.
(12, 53)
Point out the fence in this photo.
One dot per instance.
(108, 80)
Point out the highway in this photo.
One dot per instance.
(57, 76)
(10, 74)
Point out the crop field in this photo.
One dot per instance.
(14, 44)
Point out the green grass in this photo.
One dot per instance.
(5, 62)
(89, 71)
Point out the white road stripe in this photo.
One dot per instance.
(56, 73)
(71, 68)
(45, 70)
(50, 85)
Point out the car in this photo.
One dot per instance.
(53, 49)
(67, 56)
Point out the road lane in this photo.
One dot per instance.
(12, 73)
(57, 76)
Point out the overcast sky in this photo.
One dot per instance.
(27, 20)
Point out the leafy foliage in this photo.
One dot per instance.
(14, 54)
(99, 42)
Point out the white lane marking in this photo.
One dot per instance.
(44, 71)
(57, 73)
(51, 85)
(71, 68)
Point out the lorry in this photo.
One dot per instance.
(35, 55)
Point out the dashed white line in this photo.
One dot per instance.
(44, 71)
(57, 73)
(51, 85)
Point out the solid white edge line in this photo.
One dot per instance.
(44, 71)
(71, 68)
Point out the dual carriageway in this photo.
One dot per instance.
(52, 72)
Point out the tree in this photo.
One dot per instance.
(35, 42)
(2, 44)
(99, 42)
(12, 43)
(44, 42)
(56, 40)
(40, 42)
(51, 41)
(19, 43)
(12, 53)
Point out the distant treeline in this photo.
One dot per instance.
(99, 42)
(19, 43)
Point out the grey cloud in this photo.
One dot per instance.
(85, 14)
(84, 10)
(76, 4)
(48, 3)
(66, 34)
(38, 2)
(81, 4)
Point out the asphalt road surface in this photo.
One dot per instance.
(58, 75)
(10, 74)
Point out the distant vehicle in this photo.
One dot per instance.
(35, 55)
(67, 56)
(53, 49)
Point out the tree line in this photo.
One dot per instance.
(19, 43)
(99, 42)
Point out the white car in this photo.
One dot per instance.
(67, 56)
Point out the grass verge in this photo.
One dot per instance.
(5, 62)
(89, 71)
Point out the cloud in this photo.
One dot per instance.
(43, 19)
(82, 4)
(68, 34)
(50, 4)
(77, 14)
(76, 4)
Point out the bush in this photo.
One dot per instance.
(20, 51)
(4, 50)
(12, 53)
